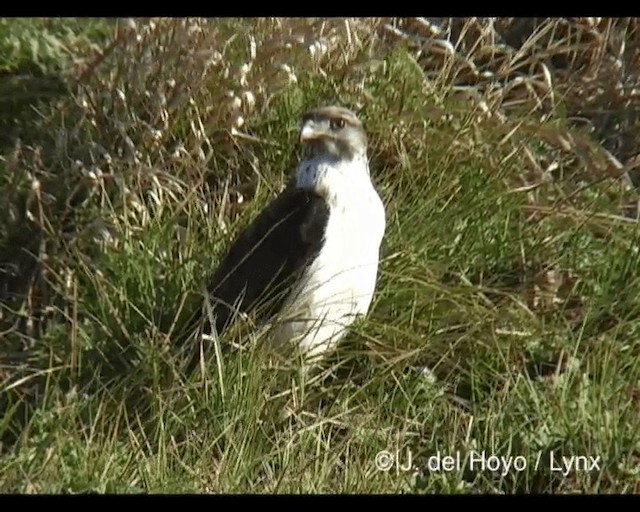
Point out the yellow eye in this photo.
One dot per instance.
(337, 124)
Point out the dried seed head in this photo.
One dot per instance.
(318, 49)
(216, 58)
(252, 47)
(291, 77)
(243, 72)
(178, 152)
(249, 100)
(235, 103)
(129, 24)
(237, 120)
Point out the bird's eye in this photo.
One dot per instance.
(337, 124)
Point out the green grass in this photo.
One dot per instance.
(97, 401)
(36, 55)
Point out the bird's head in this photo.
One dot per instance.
(333, 131)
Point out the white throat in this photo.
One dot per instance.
(334, 180)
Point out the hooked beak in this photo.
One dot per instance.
(310, 131)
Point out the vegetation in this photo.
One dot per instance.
(505, 321)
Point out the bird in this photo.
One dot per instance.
(308, 263)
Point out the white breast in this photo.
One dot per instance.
(340, 283)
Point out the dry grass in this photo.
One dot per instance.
(503, 150)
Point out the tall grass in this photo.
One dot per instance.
(504, 321)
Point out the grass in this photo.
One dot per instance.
(504, 321)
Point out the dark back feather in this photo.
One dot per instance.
(268, 255)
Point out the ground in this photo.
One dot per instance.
(500, 354)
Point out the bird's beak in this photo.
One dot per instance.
(311, 131)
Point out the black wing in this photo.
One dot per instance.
(262, 262)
